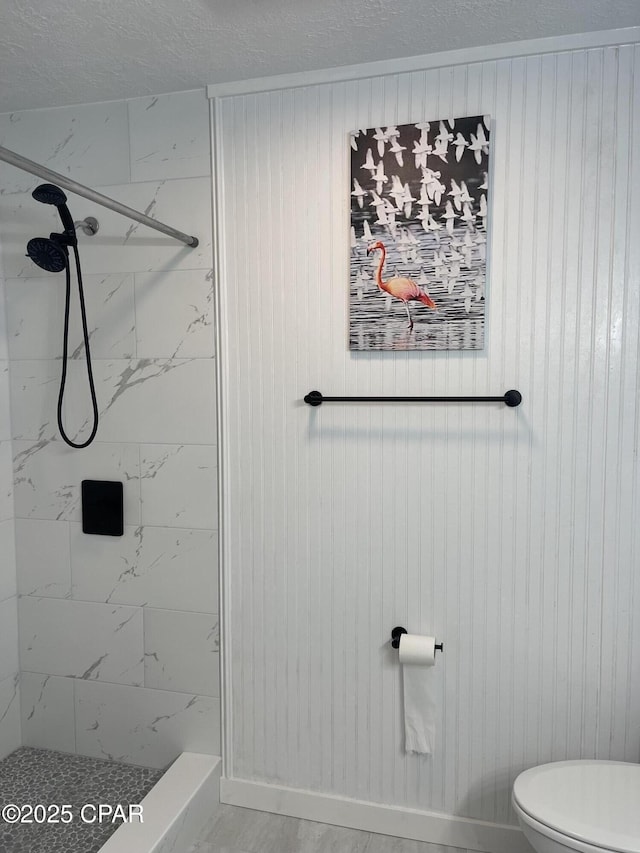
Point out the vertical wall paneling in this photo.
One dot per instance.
(510, 534)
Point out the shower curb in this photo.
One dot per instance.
(176, 809)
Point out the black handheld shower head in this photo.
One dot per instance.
(48, 253)
(50, 194)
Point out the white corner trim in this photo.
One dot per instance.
(222, 409)
(433, 827)
(507, 50)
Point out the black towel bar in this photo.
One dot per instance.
(510, 398)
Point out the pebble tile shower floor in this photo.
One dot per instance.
(30, 776)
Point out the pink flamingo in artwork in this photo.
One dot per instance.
(404, 289)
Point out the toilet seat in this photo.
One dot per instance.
(588, 805)
(564, 841)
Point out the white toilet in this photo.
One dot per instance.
(586, 806)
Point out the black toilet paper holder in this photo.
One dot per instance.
(397, 632)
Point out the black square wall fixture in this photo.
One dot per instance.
(102, 507)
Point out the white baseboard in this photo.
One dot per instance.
(387, 820)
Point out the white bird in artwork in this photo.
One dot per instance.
(354, 241)
(379, 177)
(392, 132)
(479, 283)
(465, 198)
(442, 141)
(455, 192)
(397, 149)
(382, 216)
(412, 245)
(389, 211)
(467, 215)
(460, 143)
(377, 201)
(407, 201)
(440, 150)
(444, 135)
(368, 162)
(423, 126)
(420, 150)
(439, 262)
(479, 144)
(424, 200)
(402, 245)
(381, 137)
(367, 236)
(449, 216)
(485, 183)
(397, 190)
(486, 120)
(436, 188)
(432, 225)
(423, 216)
(354, 135)
(481, 243)
(482, 213)
(359, 193)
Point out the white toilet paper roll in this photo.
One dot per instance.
(416, 654)
(418, 650)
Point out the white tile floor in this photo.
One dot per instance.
(236, 830)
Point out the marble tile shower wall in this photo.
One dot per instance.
(118, 636)
(9, 678)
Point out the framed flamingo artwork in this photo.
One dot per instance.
(419, 209)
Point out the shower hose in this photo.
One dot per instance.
(65, 355)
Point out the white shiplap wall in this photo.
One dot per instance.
(510, 534)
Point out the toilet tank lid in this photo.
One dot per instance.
(597, 802)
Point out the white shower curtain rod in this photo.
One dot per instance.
(21, 162)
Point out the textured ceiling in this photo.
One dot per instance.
(54, 53)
